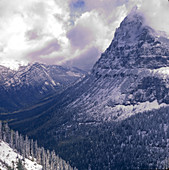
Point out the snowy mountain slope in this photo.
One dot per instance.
(10, 158)
(131, 76)
(5, 74)
(20, 152)
(33, 82)
(51, 75)
(101, 113)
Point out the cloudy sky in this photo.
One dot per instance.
(68, 32)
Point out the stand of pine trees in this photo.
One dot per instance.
(29, 149)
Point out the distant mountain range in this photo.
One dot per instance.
(34, 82)
(117, 116)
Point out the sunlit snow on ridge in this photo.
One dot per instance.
(8, 155)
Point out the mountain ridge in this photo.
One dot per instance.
(111, 92)
(29, 84)
(106, 111)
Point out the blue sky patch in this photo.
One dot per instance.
(78, 4)
(77, 8)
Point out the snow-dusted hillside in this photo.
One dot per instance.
(10, 157)
(52, 76)
(130, 77)
(19, 151)
(32, 83)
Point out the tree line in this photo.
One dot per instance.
(28, 148)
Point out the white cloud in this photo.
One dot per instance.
(28, 25)
(156, 12)
(94, 29)
(97, 24)
(58, 32)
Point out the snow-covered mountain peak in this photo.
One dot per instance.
(134, 29)
(130, 75)
(130, 27)
(135, 45)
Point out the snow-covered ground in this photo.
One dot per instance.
(10, 157)
(122, 112)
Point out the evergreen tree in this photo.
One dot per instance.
(11, 142)
(32, 149)
(20, 166)
(26, 148)
(6, 133)
(43, 153)
(16, 140)
(0, 130)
